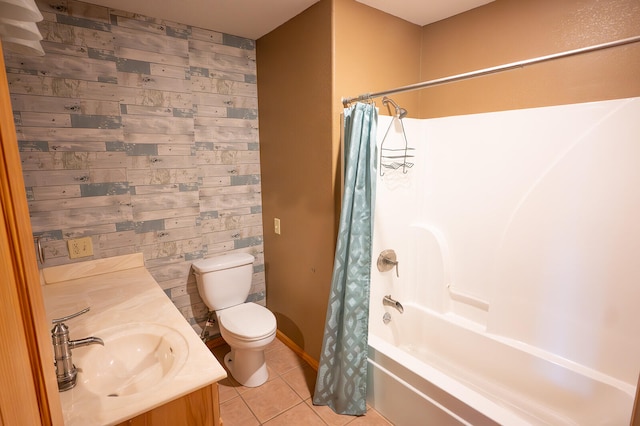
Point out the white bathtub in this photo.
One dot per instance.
(436, 370)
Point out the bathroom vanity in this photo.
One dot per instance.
(153, 367)
(197, 408)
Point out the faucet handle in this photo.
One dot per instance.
(68, 317)
(387, 261)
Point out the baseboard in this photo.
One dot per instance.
(215, 342)
(297, 349)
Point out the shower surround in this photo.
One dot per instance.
(517, 240)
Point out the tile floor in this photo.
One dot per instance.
(285, 399)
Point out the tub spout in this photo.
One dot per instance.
(388, 301)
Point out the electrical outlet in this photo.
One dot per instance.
(276, 226)
(80, 247)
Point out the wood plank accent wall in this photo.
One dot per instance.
(143, 135)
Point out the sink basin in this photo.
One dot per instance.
(133, 359)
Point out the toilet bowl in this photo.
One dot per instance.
(248, 329)
(224, 283)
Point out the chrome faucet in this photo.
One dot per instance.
(388, 301)
(66, 372)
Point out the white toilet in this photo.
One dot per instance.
(224, 283)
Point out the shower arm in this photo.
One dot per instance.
(400, 112)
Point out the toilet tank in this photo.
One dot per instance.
(224, 281)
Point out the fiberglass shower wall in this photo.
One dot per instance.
(523, 224)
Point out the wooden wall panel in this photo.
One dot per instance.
(143, 135)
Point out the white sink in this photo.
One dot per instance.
(133, 359)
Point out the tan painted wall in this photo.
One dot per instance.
(294, 104)
(512, 30)
(374, 51)
(332, 49)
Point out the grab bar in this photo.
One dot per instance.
(388, 301)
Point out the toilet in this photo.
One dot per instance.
(224, 283)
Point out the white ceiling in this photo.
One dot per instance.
(423, 12)
(255, 18)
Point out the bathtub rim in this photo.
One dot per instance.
(379, 346)
(451, 386)
(628, 388)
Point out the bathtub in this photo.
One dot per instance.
(426, 368)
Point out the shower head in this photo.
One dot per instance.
(400, 112)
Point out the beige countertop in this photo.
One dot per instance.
(121, 293)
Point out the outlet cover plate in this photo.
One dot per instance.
(80, 247)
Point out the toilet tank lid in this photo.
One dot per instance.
(225, 261)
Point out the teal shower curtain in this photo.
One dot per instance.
(342, 373)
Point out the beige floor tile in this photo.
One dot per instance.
(279, 402)
(283, 359)
(227, 389)
(270, 399)
(372, 418)
(301, 414)
(235, 412)
(302, 380)
(328, 415)
(275, 345)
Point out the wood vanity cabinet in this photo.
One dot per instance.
(199, 408)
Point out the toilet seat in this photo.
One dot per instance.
(247, 322)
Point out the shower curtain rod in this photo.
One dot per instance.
(491, 70)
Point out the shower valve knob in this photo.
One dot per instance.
(387, 261)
